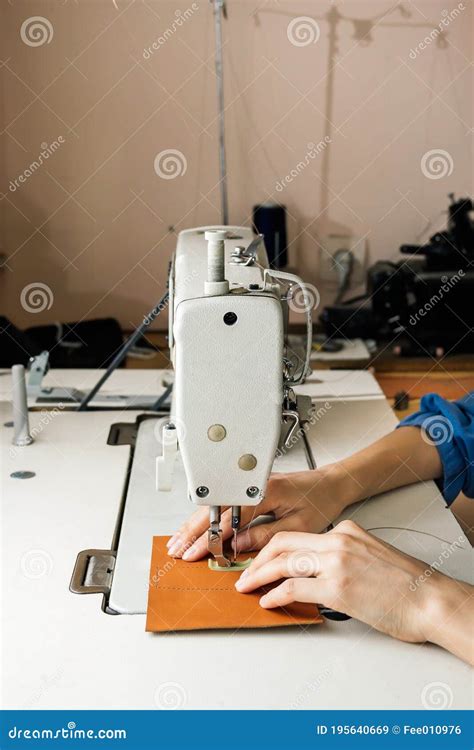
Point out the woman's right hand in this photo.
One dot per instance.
(302, 501)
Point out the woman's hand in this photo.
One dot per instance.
(311, 500)
(351, 571)
(302, 501)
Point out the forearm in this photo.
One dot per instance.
(449, 616)
(403, 457)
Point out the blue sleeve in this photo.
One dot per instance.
(450, 426)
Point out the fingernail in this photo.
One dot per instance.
(263, 601)
(172, 540)
(189, 553)
(240, 583)
(174, 549)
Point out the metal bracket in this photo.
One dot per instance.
(297, 411)
(122, 433)
(247, 256)
(37, 368)
(93, 572)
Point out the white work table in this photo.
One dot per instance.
(61, 650)
(321, 384)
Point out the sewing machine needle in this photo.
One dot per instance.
(236, 510)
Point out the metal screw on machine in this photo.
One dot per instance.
(238, 256)
(216, 433)
(230, 318)
(21, 435)
(202, 491)
(247, 462)
(247, 256)
(252, 491)
(23, 475)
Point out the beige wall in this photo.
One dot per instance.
(96, 224)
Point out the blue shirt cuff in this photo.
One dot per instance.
(450, 427)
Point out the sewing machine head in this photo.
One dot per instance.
(232, 398)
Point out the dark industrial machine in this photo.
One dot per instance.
(423, 303)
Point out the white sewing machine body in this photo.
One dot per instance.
(233, 382)
(227, 352)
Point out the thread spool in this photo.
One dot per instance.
(269, 219)
(216, 282)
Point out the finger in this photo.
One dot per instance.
(350, 528)
(192, 548)
(259, 535)
(196, 525)
(197, 549)
(293, 541)
(301, 564)
(295, 590)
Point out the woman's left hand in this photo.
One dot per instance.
(349, 570)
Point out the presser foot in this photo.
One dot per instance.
(234, 567)
(215, 545)
(220, 562)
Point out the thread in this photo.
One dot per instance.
(215, 261)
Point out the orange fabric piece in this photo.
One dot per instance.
(191, 596)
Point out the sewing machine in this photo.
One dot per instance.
(233, 401)
(234, 414)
